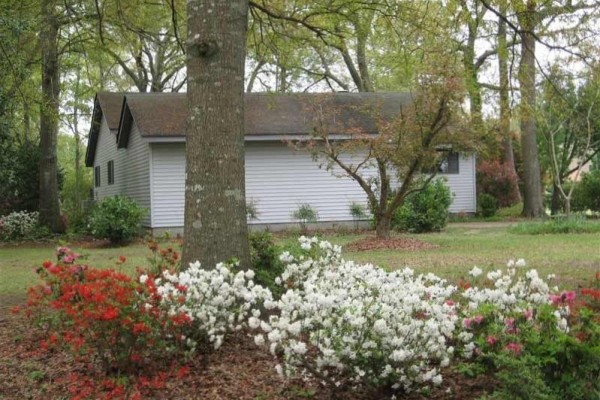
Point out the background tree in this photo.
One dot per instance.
(49, 110)
(569, 120)
(410, 146)
(215, 225)
(532, 21)
(145, 39)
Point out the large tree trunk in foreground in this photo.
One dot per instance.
(49, 205)
(215, 225)
(532, 183)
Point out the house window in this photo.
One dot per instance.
(97, 176)
(449, 164)
(110, 166)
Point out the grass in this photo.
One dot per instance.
(574, 258)
(561, 225)
(18, 263)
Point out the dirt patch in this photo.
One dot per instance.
(370, 243)
(239, 370)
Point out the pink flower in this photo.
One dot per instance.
(478, 319)
(68, 259)
(555, 299)
(568, 297)
(510, 326)
(467, 323)
(450, 303)
(528, 314)
(491, 340)
(514, 348)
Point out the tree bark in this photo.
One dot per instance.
(472, 80)
(49, 204)
(533, 205)
(508, 157)
(384, 224)
(215, 226)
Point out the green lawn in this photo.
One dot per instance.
(18, 264)
(574, 258)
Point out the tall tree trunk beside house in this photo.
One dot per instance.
(533, 205)
(49, 204)
(215, 226)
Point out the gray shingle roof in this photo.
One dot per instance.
(165, 114)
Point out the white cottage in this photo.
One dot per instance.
(137, 148)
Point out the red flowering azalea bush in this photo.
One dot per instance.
(102, 315)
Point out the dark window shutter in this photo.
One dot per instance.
(110, 166)
(97, 176)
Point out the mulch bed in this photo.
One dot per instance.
(239, 370)
(370, 243)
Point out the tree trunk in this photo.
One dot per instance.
(49, 204)
(384, 224)
(472, 80)
(215, 226)
(555, 205)
(508, 157)
(533, 205)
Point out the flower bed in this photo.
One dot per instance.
(337, 324)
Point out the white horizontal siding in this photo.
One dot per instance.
(462, 186)
(278, 180)
(168, 184)
(137, 174)
(131, 167)
(106, 150)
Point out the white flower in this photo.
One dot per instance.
(143, 279)
(253, 322)
(475, 272)
(299, 348)
(279, 370)
(259, 340)
(520, 263)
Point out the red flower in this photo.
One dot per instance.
(183, 372)
(110, 314)
(47, 264)
(140, 327)
(53, 269)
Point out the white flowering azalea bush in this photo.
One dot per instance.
(345, 323)
(216, 301)
(20, 225)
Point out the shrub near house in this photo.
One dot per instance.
(117, 219)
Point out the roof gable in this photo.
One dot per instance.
(107, 105)
(164, 115)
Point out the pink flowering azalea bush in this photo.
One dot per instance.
(539, 342)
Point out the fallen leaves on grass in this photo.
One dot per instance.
(371, 243)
